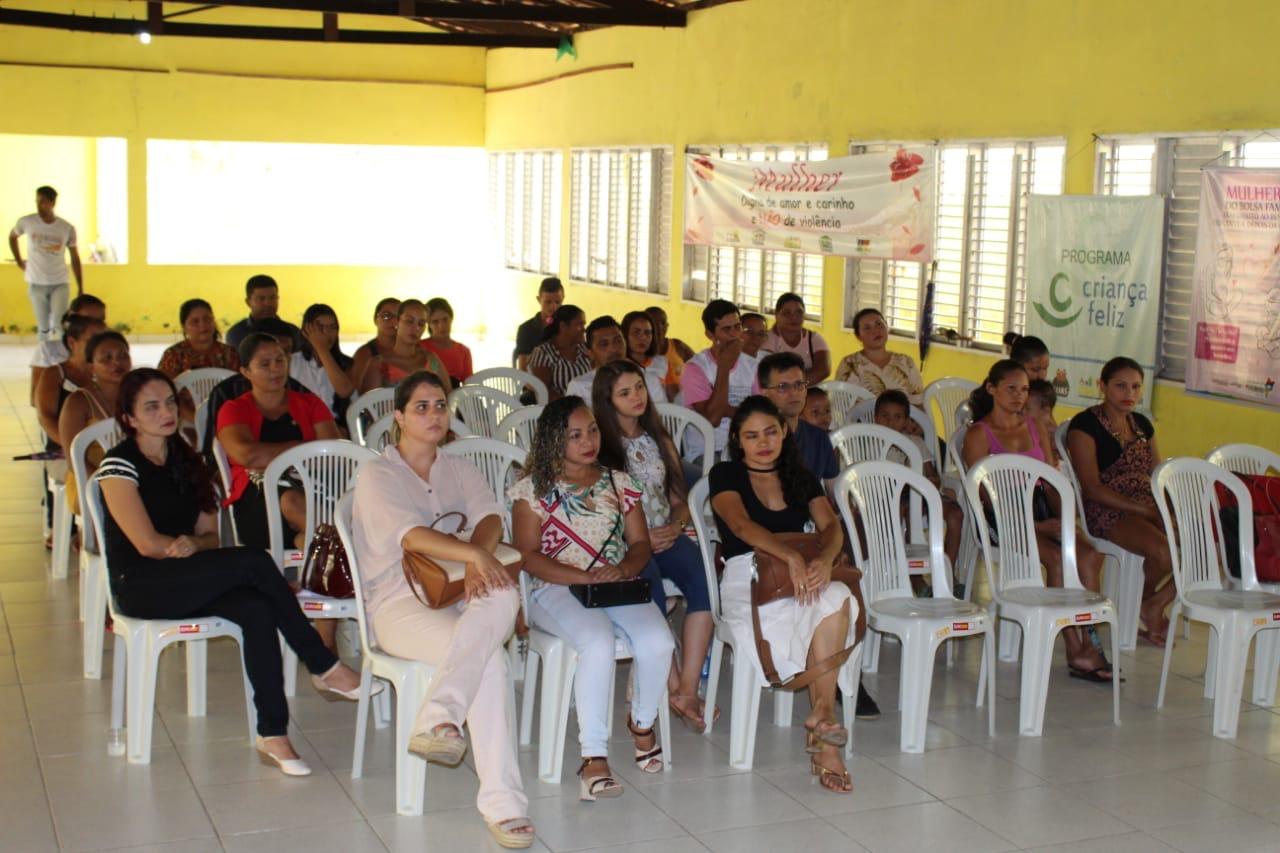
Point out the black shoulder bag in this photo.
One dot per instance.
(618, 593)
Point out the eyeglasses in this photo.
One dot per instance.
(387, 315)
(788, 387)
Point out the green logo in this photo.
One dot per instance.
(1060, 306)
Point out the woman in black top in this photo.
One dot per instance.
(161, 545)
(1113, 452)
(766, 490)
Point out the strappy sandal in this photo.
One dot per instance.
(825, 733)
(596, 787)
(692, 720)
(647, 761)
(843, 784)
(504, 833)
(440, 748)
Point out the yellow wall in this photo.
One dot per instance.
(836, 70)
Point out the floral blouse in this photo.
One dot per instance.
(645, 464)
(582, 528)
(182, 357)
(899, 374)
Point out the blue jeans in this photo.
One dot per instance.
(682, 565)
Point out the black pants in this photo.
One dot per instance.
(244, 586)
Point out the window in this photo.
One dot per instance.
(1170, 166)
(979, 244)
(755, 278)
(215, 203)
(620, 217)
(525, 187)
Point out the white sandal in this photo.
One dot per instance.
(596, 787)
(504, 833)
(440, 748)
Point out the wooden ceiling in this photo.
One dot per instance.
(471, 23)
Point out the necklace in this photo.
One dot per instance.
(760, 470)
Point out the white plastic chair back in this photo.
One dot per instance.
(511, 382)
(1184, 492)
(677, 419)
(1245, 459)
(374, 404)
(343, 513)
(875, 490)
(955, 449)
(865, 413)
(704, 526)
(844, 396)
(1008, 482)
(223, 465)
(501, 463)
(963, 415)
(943, 398)
(200, 381)
(106, 434)
(1060, 442)
(857, 443)
(326, 470)
(481, 408)
(381, 433)
(517, 427)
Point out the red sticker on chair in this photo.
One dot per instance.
(313, 605)
(1084, 617)
(959, 626)
(188, 629)
(1275, 617)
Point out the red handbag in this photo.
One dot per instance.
(326, 570)
(1264, 491)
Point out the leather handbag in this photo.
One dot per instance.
(1265, 493)
(772, 582)
(441, 583)
(326, 570)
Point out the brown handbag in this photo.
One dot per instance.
(326, 570)
(442, 583)
(772, 582)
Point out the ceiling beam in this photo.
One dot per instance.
(132, 26)
(635, 14)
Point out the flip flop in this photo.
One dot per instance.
(1094, 675)
(1157, 640)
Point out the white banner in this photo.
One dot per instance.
(865, 205)
(1233, 346)
(1093, 287)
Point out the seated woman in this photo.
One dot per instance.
(563, 355)
(789, 335)
(1001, 425)
(54, 351)
(386, 318)
(108, 357)
(674, 350)
(874, 367)
(406, 356)
(1113, 452)
(201, 344)
(455, 357)
(637, 331)
(59, 382)
(763, 491)
(578, 522)
(320, 364)
(162, 551)
(632, 439)
(398, 500)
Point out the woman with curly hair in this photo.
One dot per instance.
(763, 491)
(579, 522)
(161, 542)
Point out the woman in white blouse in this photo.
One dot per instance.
(399, 499)
(874, 367)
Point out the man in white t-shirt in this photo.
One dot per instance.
(49, 240)
(605, 341)
(720, 377)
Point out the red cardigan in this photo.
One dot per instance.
(305, 408)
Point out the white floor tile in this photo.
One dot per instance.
(811, 836)
(1031, 817)
(925, 826)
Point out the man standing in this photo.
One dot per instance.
(717, 379)
(605, 341)
(49, 238)
(262, 295)
(529, 335)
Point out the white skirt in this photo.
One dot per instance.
(786, 625)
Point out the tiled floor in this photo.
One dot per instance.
(1159, 782)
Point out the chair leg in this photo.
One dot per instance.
(382, 709)
(558, 665)
(1211, 663)
(60, 559)
(1233, 653)
(119, 667)
(528, 688)
(1266, 657)
(1168, 653)
(745, 714)
(515, 658)
(713, 683)
(849, 678)
(93, 612)
(1009, 640)
(989, 668)
(1115, 673)
(140, 703)
(1131, 582)
(783, 707)
(362, 720)
(411, 770)
(918, 652)
(290, 659)
(664, 725)
(1038, 637)
(871, 660)
(197, 677)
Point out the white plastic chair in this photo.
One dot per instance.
(199, 382)
(1017, 583)
(1245, 459)
(748, 681)
(138, 644)
(60, 557)
(411, 680)
(967, 558)
(963, 415)
(942, 398)
(844, 396)
(517, 427)
(511, 382)
(1184, 490)
(93, 568)
(228, 533)
(481, 408)
(381, 433)
(325, 470)
(865, 413)
(676, 420)
(501, 464)
(1124, 585)
(875, 490)
(370, 405)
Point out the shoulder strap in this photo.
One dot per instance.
(802, 679)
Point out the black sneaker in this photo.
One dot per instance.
(867, 708)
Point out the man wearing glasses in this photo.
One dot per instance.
(720, 377)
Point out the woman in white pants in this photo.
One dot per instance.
(577, 522)
(399, 498)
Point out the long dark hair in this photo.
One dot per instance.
(184, 311)
(313, 313)
(630, 319)
(1119, 363)
(981, 403)
(612, 452)
(187, 464)
(564, 315)
(791, 471)
(545, 461)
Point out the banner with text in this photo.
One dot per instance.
(861, 206)
(1093, 287)
(1234, 337)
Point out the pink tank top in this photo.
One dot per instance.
(1036, 452)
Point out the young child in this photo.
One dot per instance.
(893, 410)
(754, 331)
(1041, 398)
(817, 408)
